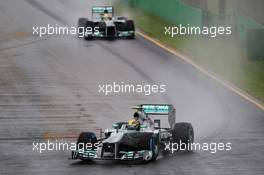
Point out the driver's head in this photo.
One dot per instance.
(105, 11)
(136, 115)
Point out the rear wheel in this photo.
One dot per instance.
(183, 133)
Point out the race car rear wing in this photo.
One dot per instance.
(158, 109)
(98, 10)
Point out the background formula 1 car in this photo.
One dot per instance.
(124, 142)
(105, 25)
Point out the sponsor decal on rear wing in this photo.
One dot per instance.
(98, 11)
(158, 109)
(103, 9)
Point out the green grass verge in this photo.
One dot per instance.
(226, 57)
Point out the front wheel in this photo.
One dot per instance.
(86, 138)
(132, 36)
(81, 25)
(130, 26)
(89, 29)
(155, 147)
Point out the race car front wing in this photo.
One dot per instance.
(122, 155)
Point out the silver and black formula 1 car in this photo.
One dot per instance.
(105, 25)
(126, 142)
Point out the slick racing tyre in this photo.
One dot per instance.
(81, 25)
(88, 26)
(130, 27)
(183, 133)
(155, 146)
(150, 142)
(86, 138)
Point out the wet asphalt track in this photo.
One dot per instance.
(49, 89)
